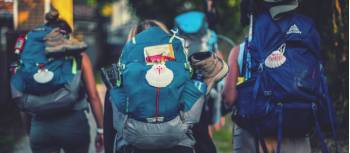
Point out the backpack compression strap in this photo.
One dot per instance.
(184, 49)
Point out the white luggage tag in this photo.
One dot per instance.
(276, 58)
(43, 75)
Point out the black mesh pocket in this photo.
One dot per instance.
(112, 76)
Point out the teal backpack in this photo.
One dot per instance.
(44, 84)
(154, 95)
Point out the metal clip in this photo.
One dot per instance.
(314, 106)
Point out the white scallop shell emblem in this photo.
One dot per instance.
(159, 76)
(43, 76)
(276, 58)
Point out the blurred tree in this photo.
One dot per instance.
(331, 19)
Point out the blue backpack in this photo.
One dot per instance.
(154, 96)
(285, 93)
(63, 76)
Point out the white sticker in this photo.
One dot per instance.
(159, 76)
(43, 76)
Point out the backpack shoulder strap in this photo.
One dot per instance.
(240, 57)
(184, 49)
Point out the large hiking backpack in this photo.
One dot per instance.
(44, 84)
(153, 111)
(285, 93)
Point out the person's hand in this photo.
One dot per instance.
(99, 144)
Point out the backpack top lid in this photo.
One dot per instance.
(34, 48)
(190, 22)
(293, 27)
(133, 50)
(151, 35)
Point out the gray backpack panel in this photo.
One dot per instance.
(60, 100)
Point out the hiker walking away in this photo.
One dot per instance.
(46, 83)
(207, 59)
(107, 75)
(282, 94)
(154, 96)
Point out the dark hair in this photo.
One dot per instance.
(54, 22)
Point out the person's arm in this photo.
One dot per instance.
(93, 96)
(230, 92)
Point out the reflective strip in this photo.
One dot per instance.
(74, 66)
(133, 40)
(240, 57)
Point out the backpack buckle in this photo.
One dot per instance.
(268, 93)
(261, 67)
(314, 106)
(155, 119)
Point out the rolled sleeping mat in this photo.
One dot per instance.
(281, 6)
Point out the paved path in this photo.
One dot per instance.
(23, 145)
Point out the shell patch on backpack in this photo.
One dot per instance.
(43, 76)
(276, 58)
(159, 76)
(158, 53)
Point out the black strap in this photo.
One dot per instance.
(331, 114)
(259, 140)
(318, 130)
(280, 127)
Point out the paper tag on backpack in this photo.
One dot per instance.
(158, 53)
(159, 76)
(43, 76)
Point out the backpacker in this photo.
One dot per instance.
(41, 83)
(285, 93)
(155, 102)
(194, 28)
